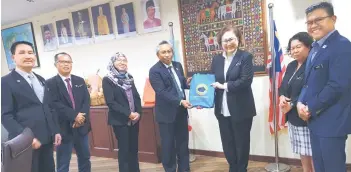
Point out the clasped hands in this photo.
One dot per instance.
(303, 111)
(134, 116)
(79, 121)
(284, 104)
(36, 144)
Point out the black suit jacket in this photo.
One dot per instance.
(167, 101)
(292, 90)
(62, 105)
(20, 108)
(117, 102)
(239, 77)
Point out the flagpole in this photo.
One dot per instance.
(274, 167)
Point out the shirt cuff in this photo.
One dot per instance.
(225, 86)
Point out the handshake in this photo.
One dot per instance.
(79, 121)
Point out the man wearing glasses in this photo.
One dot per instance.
(325, 101)
(71, 103)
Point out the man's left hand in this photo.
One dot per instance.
(188, 81)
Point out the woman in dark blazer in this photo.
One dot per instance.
(123, 101)
(298, 47)
(234, 102)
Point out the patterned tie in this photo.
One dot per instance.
(179, 91)
(38, 89)
(69, 89)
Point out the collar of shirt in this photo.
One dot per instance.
(63, 78)
(167, 66)
(230, 57)
(321, 41)
(23, 73)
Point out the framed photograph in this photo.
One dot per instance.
(102, 22)
(82, 29)
(150, 13)
(125, 20)
(22, 32)
(64, 32)
(49, 37)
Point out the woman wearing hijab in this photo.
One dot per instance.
(123, 101)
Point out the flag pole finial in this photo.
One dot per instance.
(270, 5)
(170, 24)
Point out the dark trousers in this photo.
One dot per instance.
(43, 159)
(127, 138)
(64, 152)
(174, 143)
(328, 153)
(235, 138)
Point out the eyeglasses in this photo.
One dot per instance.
(317, 21)
(225, 41)
(64, 62)
(122, 60)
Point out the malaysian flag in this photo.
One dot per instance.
(279, 70)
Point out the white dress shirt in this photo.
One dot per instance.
(64, 80)
(175, 76)
(227, 62)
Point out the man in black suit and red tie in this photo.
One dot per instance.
(25, 103)
(168, 81)
(71, 102)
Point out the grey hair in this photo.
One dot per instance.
(162, 43)
(61, 53)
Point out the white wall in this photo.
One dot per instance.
(289, 16)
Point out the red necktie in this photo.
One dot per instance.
(69, 88)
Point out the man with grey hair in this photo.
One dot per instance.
(71, 103)
(168, 80)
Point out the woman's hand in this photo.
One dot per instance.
(283, 100)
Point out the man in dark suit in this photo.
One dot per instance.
(168, 81)
(25, 103)
(325, 99)
(71, 101)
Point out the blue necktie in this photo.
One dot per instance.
(311, 55)
(180, 94)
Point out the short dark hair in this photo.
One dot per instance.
(227, 28)
(15, 44)
(61, 53)
(149, 3)
(328, 7)
(303, 37)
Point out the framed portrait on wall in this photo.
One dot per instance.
(125, 20)
(201, 21)
(82, 28)
(102, 22)
(49, 37)
(23, 32)
(151, 15)
(64, 32)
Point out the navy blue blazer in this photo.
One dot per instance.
(328, 88)
(21, 108)
(239, 78)
(167, 101)
(63, 108)
(291, 88)
(118, 104)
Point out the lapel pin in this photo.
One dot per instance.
(18, 80)
(324, 46)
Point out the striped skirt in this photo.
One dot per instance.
(300, 139)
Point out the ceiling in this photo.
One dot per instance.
(17, 10)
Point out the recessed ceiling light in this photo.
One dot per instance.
(30, 0)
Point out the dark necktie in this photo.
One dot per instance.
(179, 91)
(69, 89)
